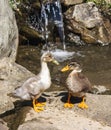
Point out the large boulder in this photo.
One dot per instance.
(86, 21)
(56, 117)
(8, 31)
(11, 74)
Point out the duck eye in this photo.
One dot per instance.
(50, 56)
(72, 64)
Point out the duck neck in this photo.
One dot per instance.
(44, 69)
(76, 71)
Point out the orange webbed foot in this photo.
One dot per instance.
(68, 105)
(38, 107)
(83, 105)
(40, 104)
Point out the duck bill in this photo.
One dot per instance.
(55, 62)
(66, 68)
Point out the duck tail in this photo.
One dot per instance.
(14, 93)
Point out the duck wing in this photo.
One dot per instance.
(31, 87)
(84, 82)
(78, 83)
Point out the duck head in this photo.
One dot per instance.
(72, 66)
(48, 57)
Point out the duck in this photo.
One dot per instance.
(33, 87)
(77, 84)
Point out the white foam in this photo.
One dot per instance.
(62, 55)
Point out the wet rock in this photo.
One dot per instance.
(30, 33)
(8, 31)
(74, 38)
(27, 21)
(86, 21)
(99, 89)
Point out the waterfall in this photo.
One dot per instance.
(45, 21)
(51, 14)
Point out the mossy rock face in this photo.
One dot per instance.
(30, 32)
(27, 33)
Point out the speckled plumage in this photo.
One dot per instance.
(78, 84)
(35, 86)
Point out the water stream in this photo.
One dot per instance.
(95, 61)
(49, 22)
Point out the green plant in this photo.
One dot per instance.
(103, 6)
(100, 3)
(14, 4)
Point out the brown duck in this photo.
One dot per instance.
(77, 84)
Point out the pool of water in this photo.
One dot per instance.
(95, 61)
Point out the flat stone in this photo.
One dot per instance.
(56, 117)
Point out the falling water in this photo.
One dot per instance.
(46, 20)
(63, 34)
(51, 14)
(40, 20)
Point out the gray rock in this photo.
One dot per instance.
(11, 74)
(85, 20)
(87, 14)
(56, 117)
(8, 31)
(37, 125)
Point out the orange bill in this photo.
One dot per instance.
(66, 68)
